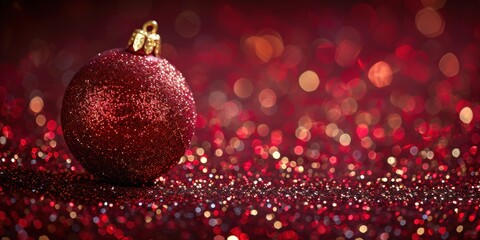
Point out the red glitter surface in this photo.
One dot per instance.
(352, 120)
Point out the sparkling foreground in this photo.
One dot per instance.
(191, 203)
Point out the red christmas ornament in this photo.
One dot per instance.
(128, 115)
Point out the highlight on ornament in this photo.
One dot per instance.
(128, 115)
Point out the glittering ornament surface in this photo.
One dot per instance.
(336, 120)
(128, 118)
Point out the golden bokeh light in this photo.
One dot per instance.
(466, 115)
(243, 88)
(40, 120)
(394, 120)
(380, 74)
(303, 134)
(309, 81)
(263, 49)
(276, 43)
(429, 22)
(263, 130)
(277, 225)
(456, 152)
(266, 45)
(364, 118)
(345, 139)
(267, 98)
(391, 160)
(36, 104)
(330, 129)
(449, 65)
(305, 122)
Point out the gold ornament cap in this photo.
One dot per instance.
(145, 41)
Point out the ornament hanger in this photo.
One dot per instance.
(145, 41)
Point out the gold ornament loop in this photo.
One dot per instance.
(145, 41)
(152, 24)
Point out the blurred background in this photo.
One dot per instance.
(312, 79)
